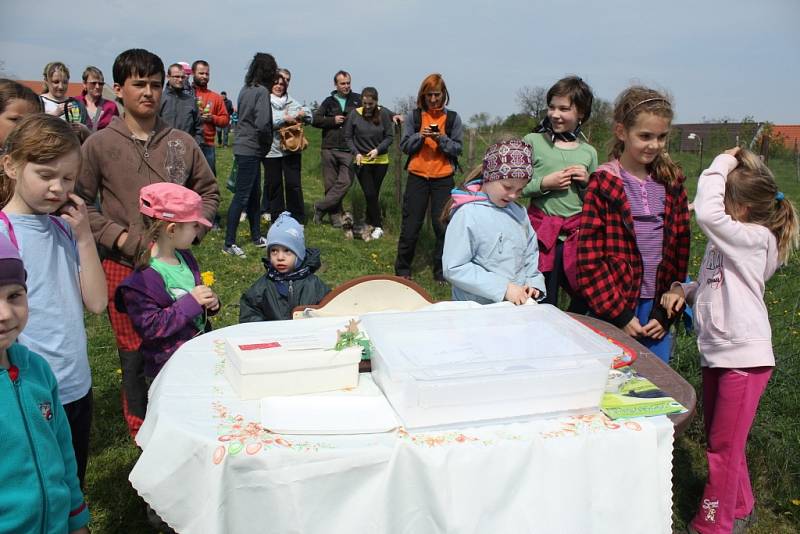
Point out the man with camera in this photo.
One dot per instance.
(336, 157)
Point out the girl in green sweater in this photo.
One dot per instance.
(562, 164)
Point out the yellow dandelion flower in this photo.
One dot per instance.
(208, 278)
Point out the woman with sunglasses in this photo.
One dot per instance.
(99, 110)
(281, 167)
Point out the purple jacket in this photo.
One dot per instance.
(163, 324)
(108, 110)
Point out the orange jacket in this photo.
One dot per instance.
(219, 113)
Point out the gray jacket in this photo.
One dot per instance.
(179, 110)
(254, 130)
(362, 135)
(450, 143)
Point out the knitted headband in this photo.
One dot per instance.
(508, 159)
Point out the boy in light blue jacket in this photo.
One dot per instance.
(39, 490)
(490, 248)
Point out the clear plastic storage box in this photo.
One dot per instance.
(440, 368)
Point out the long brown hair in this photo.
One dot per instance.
(152, 230)
(38, 138)
(11, 90)
(631, 103)
(751, 186)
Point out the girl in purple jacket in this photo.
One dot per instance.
(164, 296)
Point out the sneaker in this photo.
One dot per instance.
(266, 217)
(377, 233)
(243, 217)
(234, 250)
(261, 242)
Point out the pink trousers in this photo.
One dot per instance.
(730, 400)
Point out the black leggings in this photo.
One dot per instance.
(371, 177)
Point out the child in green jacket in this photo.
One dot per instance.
(40, 490)
(289, 281)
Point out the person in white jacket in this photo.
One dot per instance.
(490, 248)
(751, 228)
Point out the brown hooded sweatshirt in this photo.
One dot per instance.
(116, 166)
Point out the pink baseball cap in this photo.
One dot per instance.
(187, 69)
(171, 202)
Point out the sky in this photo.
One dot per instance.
(719, 59)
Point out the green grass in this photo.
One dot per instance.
(774, 440)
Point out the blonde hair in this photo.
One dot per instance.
(37, 138)
(631, 103)
(50, 69)
(152, 231)
(751, 185)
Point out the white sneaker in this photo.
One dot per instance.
(234, 250)
(266, 217)
(377, 233)
(261, 243)
(243, 217)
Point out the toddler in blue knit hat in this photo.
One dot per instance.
(289, 281)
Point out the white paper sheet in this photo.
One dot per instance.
(363, 410)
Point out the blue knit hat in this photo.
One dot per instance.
(287, 232)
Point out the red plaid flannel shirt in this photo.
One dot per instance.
(609, 262)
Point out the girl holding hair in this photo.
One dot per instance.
(164, 296)
(50, 226)
(16, 101)
(752, 229)
(55, 99)
(431, 137)
(562, 164)
(369, 133)
(633, 239)
(490, 248)
(99, 110)
(282, 168)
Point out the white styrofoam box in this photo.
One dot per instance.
(284, 359)
(445, 367)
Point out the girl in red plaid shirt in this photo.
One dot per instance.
(633, 239)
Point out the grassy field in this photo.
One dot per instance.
(774, 441)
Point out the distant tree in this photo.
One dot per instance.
(533, 101)
(520, 123)
(404, 104)
(480, 120)
(598, 128)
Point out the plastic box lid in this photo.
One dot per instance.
(482, 342)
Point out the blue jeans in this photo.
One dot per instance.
(246, 197)
(211, 157)
(660, 347)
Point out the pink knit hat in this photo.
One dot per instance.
(12, 271)
(172, 202)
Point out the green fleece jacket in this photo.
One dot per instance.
(39, 492)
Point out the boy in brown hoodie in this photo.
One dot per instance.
(135, 150)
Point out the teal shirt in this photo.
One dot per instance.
(179, 280)
(342, 100)
(547, 158)
(39, 488)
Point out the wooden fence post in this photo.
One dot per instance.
(471, 149)
(398, 166)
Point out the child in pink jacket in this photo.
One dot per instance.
(751, 230)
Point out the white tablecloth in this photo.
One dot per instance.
(208, 465)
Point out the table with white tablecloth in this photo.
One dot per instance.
(208, 464)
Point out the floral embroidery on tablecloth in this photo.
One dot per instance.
(439, 439)
(589, 424)
(219, 350)
(237, 435)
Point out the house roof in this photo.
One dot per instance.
(788, 134)
(73, 89)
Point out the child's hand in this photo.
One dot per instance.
(733, 151)
(578, 173)
(653, 329)
(556, 181)
(634, 328)
(74, 212)
(532, 292)
(204, 296)
(673, 300)
(214, 306)
(516, 294)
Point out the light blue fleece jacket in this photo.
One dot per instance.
(280, 107)
(486, 247)
(39, 492)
